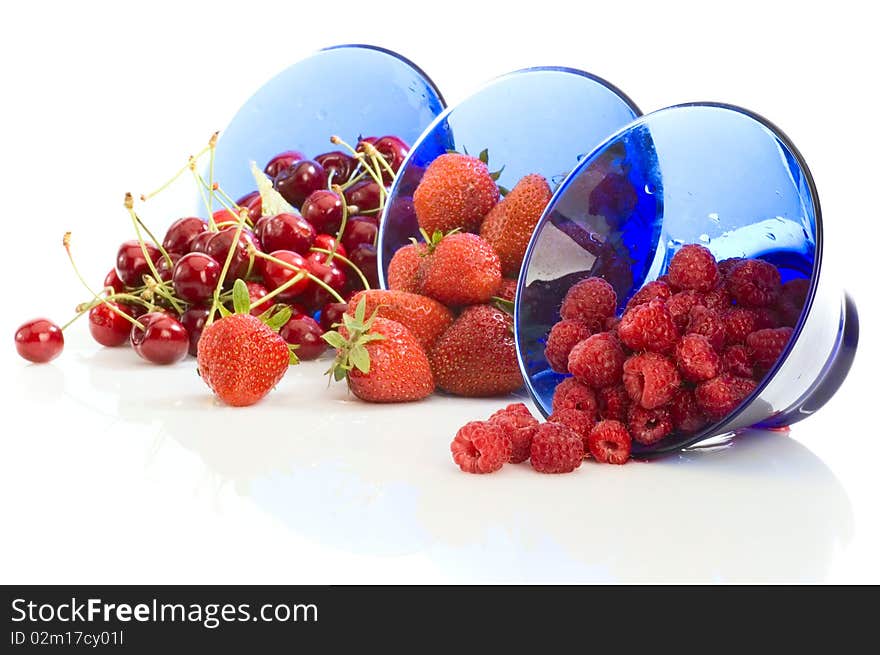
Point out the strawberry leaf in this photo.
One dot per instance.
(292, 360)
(241, 299)
(279, 318)
(497, 173)
(484, 156)
(503, 304)
(223, 311)
(272, 202)
(503, 190)
(335, 339)
(360, 358)
(361, 310)
(339, 373)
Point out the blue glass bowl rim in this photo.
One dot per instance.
(406, 60)
(717, 428)
(442, 116)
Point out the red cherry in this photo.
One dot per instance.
(305, 332)
(255, 292)
(106, 326)
(253, 202)
(274, 275)
(162, 341)
(193, 320)
(200, 242)
(330, 274)
(131, 265)
(165, 269)
(181, 233)
(366, 194)
(394, 151)
(196, 276)
(323, 209)
(365, 258)
(339, 166)
(300, 180)
(359, 230)
(285, 232)
(331, 314)
(39, 341)
(218, 248)
(282, 161)
(328, 242)
(112, 280)
(224, 216)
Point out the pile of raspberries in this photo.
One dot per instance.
(687, 350)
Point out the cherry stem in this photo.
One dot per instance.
(66, 242)
(354, 180)
(371, 150)
(353, 266)
(129, 205)
(279, 290)
(291, 267)
(155, 241)
(377, 178)
(226, 264)
(147, 196)
(212, 144)
(212, 226)
(225, 201)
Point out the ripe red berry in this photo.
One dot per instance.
(195, 277)
(650, 379)
(610, 442)
(708, 323)
(275, 275)
(727, 265)
(693, 267)
(754, 283)
(107, 327)
(696, 359)
(719, 396)
(767, 345)
(597, 360)
(518, 409)
(480, 447)
(680, 305)
(648, 327)
(656, 290)
(648, 426)
(739, 323)
(366, 195)
(282, 161)
(131, 265)
(686, 415)
(338, 165)
(717, 299)
(112, 281)
(162, 341)
(556, 448)
(253, 202)
(590, 301)
(193, 320)
(285, 232)
(613, 403)
(323, 209)
(304, 332)
(39, 341)
(572, 394)
(520, 426)
(563, 336)
(579, 421)
(739, 360)
(218, 247)
(181, 233)
(300, 180)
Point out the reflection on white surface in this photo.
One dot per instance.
(378, 481)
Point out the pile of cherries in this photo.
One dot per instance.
(159, 297)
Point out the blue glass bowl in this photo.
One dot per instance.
(537, 120)
(699, 173)
(347, 90)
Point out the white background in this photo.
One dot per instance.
(117, 472)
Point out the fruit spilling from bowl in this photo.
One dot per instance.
(686, 351)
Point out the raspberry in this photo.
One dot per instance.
(680, 305)
(512, 409)
(571, 394)
(480, 447)
(650, 379)
(727, 265)
(614, 403)
(575, 419)
(591, 301)
(696, 358)
(739, 360)
(754, 283)
(693, 267)
(610, 442)
(648, 327)
(738, 324)
(611, 323)
(708, 323)
(792, 299)
(686, 415)
(564, 336)
(519, 426)
(556, 448)
(717, 299)
(648, 426)
(768, 344)
(766, 317)
(651, 291)
(597, 361)
(719, 396)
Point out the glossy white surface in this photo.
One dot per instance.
(114, 471)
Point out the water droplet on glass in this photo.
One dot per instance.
(321, 115)
(704, 238)
(714, 217)
(771, 236)
(650, 189)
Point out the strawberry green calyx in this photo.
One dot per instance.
(484, 157)
(432, 240)
(503, 304)
(274, 318)
(351, 351)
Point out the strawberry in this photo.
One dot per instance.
(510, 223)
(463, 269)
(455, 192)
(241, 357)
(477, 355)
(424, 317)
(381, 360)
(404, 269)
